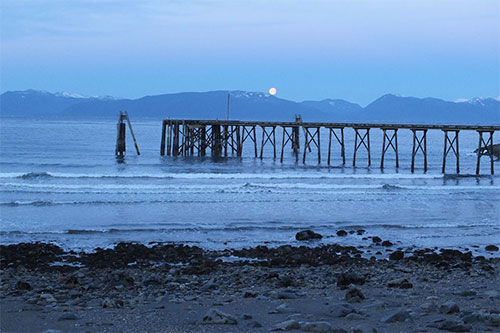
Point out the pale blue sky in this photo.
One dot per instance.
(356, 50)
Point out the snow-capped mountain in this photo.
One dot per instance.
(252, 106)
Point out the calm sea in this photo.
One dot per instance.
(60, 182)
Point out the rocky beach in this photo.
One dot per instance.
(318, 288)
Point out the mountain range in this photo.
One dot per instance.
(251, 106)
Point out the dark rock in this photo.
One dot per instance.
(29, 255)
(341, 310)
(254, 324)
(387, 243)
(398, 316)
(376, 239)
(214, 316)
(317, 326)
(68, 316)
(307, 235)
(347, 278)
(291, 324)
(400, 283)
(360, 231)
(491, 248)
(449, 307)
(472, 318)
(249, 294)
(396, 255)
(22, 285)
(286, 281)
(341, 233)
(354, 295)
(450, 325)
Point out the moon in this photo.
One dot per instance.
(272, 91)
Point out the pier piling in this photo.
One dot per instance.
(366, 144)
(190, 137)
(419, 144)
(389, 141)
(451, 145)
(485, 148)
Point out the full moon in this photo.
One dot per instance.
(272, 91)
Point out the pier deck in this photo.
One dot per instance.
(194, 137)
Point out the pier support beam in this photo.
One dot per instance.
(363, 140)
(485, 147)
(450, 145)
(163, 137)
(216, 141)
(419, 144)
(268, 137)
(292, 138)
(389, 141)
(340, 140)
(249, 134)
(312, 135)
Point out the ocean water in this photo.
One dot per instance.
(60, 182)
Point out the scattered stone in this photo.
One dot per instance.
(354, 295)
(341, 310)
(398, 316)
(307, 235)
(449, 325)
(376, 239)
(396, 255)
(214, 316)
(491, 248)
(471, 318)
(109, 303)
(210, 285)
(48, 298)
(354, 316)
(249, 294)
(246, 316)
(255, 324)
(68, 316)
(387, 243)
(287, 325)
(492, 319)
(466, 293)
(342, 233)
(491, 293)
(400, 283)
(72, 281)
(449, 307)
(363, 328)
(360, 231)
(283, 308)
(428, 307)
(347, 278)
(23, 285)
(285, 295)
(317, 326)
(377, 305)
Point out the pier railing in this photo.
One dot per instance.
(195, 137)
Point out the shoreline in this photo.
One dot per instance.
(177, 288)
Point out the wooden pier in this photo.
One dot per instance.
(194, 137)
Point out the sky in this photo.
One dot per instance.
(356, 50)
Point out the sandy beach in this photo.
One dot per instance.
(176, 288)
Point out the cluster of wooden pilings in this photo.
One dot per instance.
(195, 137)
